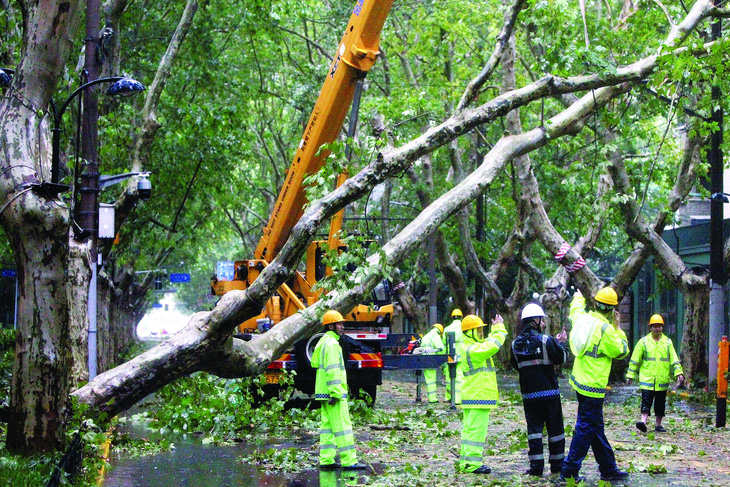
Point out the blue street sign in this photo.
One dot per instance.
(8, 273)
(224, 270)
(157, 305)
(179, 277)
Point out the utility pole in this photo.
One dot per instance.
(433, 289)
(478, 289)
(717, 238)
(88, 217)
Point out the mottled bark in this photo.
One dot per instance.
(38, 231)
(692, 282)
(694, 336)
(79, 274)
(408, 305)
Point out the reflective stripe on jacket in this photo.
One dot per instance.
(331, 381)
(479, 389)
(656, 362)
(534, 355)
(591, 370)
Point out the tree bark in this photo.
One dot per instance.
(38, 231)
(694, 336)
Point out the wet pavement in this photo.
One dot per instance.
(692, 453)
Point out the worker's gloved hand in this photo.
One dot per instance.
(680, 381)
(628, 381)
(562, 336)
(332, 401)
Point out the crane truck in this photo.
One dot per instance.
(367, 326)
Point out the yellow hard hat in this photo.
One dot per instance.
(439, 326)
(470, 322)
(656, 319)
(332, 316)
(607, 295)
(456, 312)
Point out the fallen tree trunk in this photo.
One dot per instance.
(206, 343)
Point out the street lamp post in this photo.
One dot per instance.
(121, 86)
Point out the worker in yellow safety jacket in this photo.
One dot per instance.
(657, 364)
(335, 434)
(455, 328)
(479, 389)
(595, 339)
(432, 344)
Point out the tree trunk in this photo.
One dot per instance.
(694, 335)
(40, 382)
(79, 274)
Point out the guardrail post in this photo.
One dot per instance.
(419, 373)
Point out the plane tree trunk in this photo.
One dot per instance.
(38, 231)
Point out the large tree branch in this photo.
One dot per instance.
(206, 342)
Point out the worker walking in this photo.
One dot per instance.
(335, 434)
(656, 362)
(595, 339)
(479, 391)
(535, 355)
(432, 344)
(455, 328)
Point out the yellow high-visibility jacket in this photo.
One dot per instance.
(432, 341)
(455, 328)
(479, 389)
(331, 380)
(657, 363)
(591, 369)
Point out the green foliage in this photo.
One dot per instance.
(7, 357)
(652, 468)
(352, 267)
(221, 410)
(290, 460)
(131, 447)
(515, 440)
(35, 470)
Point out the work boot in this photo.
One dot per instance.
(564, 480)
(536, 473)
(482, 470)
(355, 466)
(615, 475)
(641, 426)
(660, 429)
(329, 466)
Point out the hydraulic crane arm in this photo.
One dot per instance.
(355, 56)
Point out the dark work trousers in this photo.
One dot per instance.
(589, 433)
(659, 398)
(546, 413)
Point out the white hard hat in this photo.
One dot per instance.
(532, 310)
